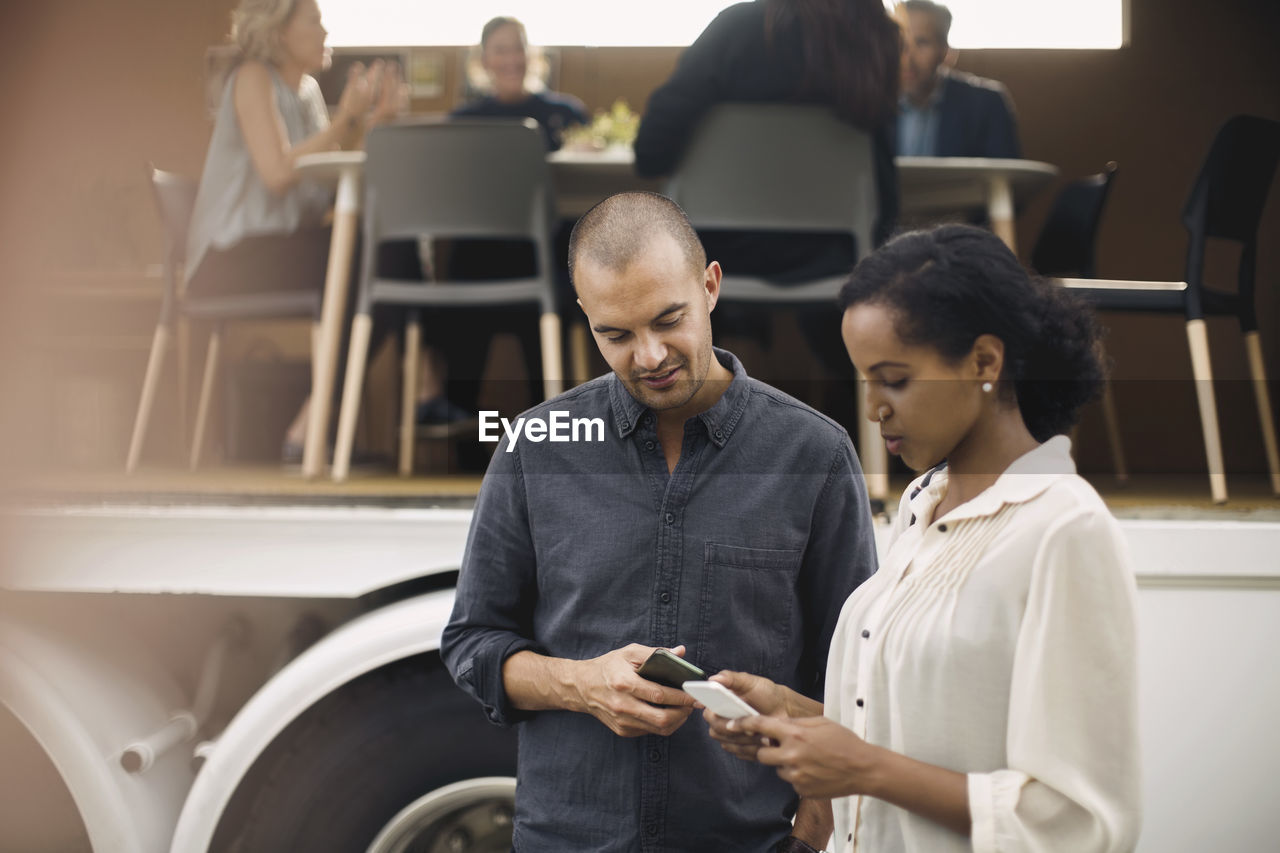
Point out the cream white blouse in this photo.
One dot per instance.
(998, 641)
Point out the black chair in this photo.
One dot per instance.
(175, 197)
(1066, 249)
(1226, 202)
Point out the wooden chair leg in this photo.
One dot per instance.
(1198, 340)
(1259, 374)
(206, 395)
(150, 381)
(184, 377)
(1113, 432)
(349, 412)
(579, 356)
(871, 449)
(409, 391)
(552, 358)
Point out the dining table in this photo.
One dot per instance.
(929, 188)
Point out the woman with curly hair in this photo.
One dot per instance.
(981, 687)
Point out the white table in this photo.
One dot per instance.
(928, 186)
(939, 186)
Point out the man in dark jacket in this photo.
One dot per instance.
(944, 112)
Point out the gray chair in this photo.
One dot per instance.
(784, 167)
(451, 180)
(175, 197)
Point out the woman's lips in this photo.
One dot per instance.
(893, 443)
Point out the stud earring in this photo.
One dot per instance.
(986, 387)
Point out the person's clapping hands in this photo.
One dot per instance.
(392, 98)
(610, 690)
(357, 93)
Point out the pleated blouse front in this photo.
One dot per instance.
(998, 641)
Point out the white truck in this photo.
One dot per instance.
(248, 679)
(262, 678)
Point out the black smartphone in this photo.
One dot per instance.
(667, 668)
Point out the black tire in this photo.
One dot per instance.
(339, 773)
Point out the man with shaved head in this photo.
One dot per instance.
(716, 516)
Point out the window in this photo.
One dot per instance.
(978, 23)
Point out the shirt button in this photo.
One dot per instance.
(865, 633)
(651, 829)
(665, 597)
(646, 420)
(850, 836)
(858, 703)
(670, 518)
(720, 434)
(942, 528)
(649, 445)
(913, 520)
(655, 755)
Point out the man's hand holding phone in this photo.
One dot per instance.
(611, 689)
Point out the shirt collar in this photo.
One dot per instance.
(1028, 476)
(905, 104)
(720, 420)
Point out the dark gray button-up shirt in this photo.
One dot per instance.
(745, 553)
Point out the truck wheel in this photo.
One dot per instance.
(398, 760)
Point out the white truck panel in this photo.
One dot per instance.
(292, 552)
(391, 633)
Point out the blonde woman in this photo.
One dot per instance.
(257, 225)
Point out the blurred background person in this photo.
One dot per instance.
(943, 112)
(258, 225)
(515, 92)
(843, 53)
(512, 73)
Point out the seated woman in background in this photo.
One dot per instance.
(843, 53)
(982, 685)
(257, 225)
(504, 56)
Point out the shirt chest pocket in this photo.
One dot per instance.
(748, 611)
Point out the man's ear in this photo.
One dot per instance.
(951, 58)
(987, 357)
(711, 282)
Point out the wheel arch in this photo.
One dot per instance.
(399, 630)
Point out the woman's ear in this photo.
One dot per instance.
(987, 357)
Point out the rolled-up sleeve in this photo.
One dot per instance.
(493, 608)
(840, 555)
(1073, 780)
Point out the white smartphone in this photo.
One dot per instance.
(719, 699)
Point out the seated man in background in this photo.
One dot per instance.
(943, 112)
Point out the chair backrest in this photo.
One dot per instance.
(1231, 190)
(778, 167)
(1066, 245)
(175, 197)
(472, 178)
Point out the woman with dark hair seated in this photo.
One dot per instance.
(981, 688)
(841, 53)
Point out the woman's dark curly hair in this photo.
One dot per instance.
(948, 285)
